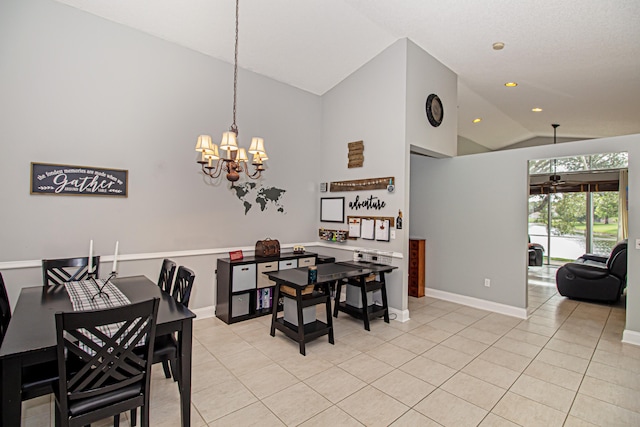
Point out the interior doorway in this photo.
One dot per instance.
(577, 205)
(574, 205)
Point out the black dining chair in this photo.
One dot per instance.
(165, 349)
(182, 287)
(105, 376)
(5, 309)
(37, 380)
(60, 271)
(166, 275)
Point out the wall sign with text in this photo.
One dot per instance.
(372, 202)
(78, 180)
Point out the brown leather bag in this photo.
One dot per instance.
(267, 248)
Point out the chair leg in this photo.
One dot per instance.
(116, 421)
(175, 370)
(134, 416)
(144, 416)
(165, 367)
(57, 416)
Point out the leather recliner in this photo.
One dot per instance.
(536, 253)
(593, 277)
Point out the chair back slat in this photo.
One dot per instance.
(166, 275)
(182, 286)
(92, 362)
(59, 271)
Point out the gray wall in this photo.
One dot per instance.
(383, 104)
(80, 90)
(467, 146)
(473, 212)
(369, 106)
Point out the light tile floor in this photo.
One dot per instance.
(450, 365)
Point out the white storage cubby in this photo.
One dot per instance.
(263, 267)
(244, 277)
(287, 264)
(240, 304)
(291, 312)
(305, 262)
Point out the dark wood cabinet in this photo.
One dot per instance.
(416, 267)
(243, 291)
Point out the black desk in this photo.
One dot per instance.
(31, 338)
(368, 310)
(297, 278)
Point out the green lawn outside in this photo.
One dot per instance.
(611, 229)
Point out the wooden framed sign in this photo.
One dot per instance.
(78, 180)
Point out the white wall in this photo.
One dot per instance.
(383, 104)
(369, 106)
(473, 212)
(80, 90)
(426, 75)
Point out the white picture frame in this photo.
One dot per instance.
(332, 209)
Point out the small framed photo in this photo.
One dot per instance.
(332, 209)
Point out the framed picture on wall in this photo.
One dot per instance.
(332, 209)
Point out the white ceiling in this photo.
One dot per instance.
(578, 60)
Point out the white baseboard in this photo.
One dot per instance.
(400, 315)
(495, 307)
(205, 312)
(631, 337)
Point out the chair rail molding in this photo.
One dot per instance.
(37, 263)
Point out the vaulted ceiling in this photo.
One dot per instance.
(577, 60)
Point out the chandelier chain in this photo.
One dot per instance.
(234, 127)
(235, 160)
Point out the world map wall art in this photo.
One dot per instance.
(265, 197)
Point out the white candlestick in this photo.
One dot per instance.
(90, 271)
(115, 258)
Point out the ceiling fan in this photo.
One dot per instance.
(555, 179)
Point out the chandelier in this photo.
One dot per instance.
(234, 160)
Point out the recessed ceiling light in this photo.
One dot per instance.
(478, 120)
(511, 84)
(536, 110)
(498, 46)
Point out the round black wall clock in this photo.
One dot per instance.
(435, 112)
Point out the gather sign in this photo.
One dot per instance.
(78, 180)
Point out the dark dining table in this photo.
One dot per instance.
(31, 338)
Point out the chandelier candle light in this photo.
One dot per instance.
(234, 159)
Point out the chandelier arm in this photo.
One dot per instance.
(254, 175)
(215, 171)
